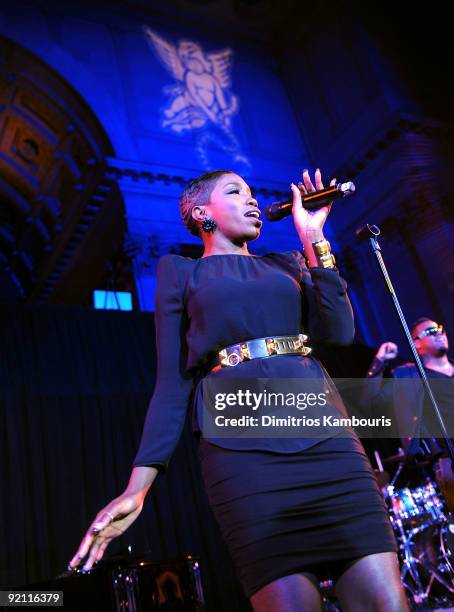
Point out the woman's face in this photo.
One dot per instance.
(234, 209)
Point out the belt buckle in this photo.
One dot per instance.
(277, 345)
(235, 355)
(284, 345)
(305, 350)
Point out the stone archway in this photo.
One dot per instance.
(61, 214)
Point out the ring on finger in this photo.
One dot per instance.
(98, 527)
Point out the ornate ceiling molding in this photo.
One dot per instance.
(141, 175)
(400, 127)
(54, 188)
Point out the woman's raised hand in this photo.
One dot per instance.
(109, 523)
(309, 224)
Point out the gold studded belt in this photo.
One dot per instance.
(263, 347)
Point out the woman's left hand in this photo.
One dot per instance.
(309, 224)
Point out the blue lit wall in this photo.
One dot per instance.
(119, 74)
(333, 102)
(115, 67)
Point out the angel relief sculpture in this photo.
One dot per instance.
(201, 94)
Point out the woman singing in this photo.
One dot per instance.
(293, 511)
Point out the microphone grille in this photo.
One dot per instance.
(347, 188)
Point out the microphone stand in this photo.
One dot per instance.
(371, 232)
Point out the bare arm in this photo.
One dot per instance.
(140, 481)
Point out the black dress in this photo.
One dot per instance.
(284, 505)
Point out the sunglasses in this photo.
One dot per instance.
(437, 330)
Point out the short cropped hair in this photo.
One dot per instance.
(418, 322)
(198, 193)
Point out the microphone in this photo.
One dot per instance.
(367, 231)
(278, 210)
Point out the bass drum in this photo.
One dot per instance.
(431, 548)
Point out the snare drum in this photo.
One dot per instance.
(415, 506)
(430, 501)
(403, 506)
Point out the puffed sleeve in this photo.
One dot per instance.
(327, 310)
(168, 406)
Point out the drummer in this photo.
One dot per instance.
(413, 415)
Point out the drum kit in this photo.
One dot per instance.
(424, 530)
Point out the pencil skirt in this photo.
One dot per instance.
(314, 510)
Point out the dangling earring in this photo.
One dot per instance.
(209, 225)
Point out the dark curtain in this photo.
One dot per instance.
(75, 388)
